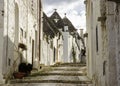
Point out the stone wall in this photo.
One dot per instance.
(103, 64)
(111, 44)
(21, 24)
(51, 50)
(117, 26)
(1, 37)
(47, 53)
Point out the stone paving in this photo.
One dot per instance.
(58, 76)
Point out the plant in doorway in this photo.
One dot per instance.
(24, 69)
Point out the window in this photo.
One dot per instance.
(21, 32)
(96, 38)
(104, 67)
(9, 61)
(66, 28)
(54, 54)
(21, 35)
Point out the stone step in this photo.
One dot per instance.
(54, 79)
(48, 81)
(47, 84)
(68, 65)
(57, 77)
(58, 69)
(64, 74)
(69, 68)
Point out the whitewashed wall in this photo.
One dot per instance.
(60, 49)
(1, 38)
(94, 56)
(65, 47)
(103, 64)
(19, 25)
(47, 53)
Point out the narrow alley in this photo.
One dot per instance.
(59, 42)
(67, 74)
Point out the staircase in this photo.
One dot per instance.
(67, 74)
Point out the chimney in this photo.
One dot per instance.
(81, 33)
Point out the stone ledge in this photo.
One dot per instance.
(49, 81)
(117, 1)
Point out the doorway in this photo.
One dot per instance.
(54, 54)
(32, 51)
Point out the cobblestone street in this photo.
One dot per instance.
(61, 75)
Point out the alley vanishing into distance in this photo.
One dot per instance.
(66, 74)
(42, 43)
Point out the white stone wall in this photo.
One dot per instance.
(110, 24)
(55, 45)
(103, 64)
(1, 37)
(70, 44)
(9, 27)
(19, 25)
(60, 49)
(47, 52)
(65, 47)
(94, 55)
(117, 26)
(44, 52)
(89, 40)
(76, 50)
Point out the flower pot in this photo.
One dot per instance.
(19, 75)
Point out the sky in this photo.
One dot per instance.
(74, 9)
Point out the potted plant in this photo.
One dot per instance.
(18, 75)
(23, 70)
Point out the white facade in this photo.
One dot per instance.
(52, 51)
(68, 44)
(60, 49)
(103, 42)
(1, 38)
(51, 42)
(19, 23)
(47, 53)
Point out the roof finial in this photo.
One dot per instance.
(65, 14)
(55, 10)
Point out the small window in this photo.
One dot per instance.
(97, 39)
(21, 32)
(66, 28)
(9, 61)
(104, 67)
